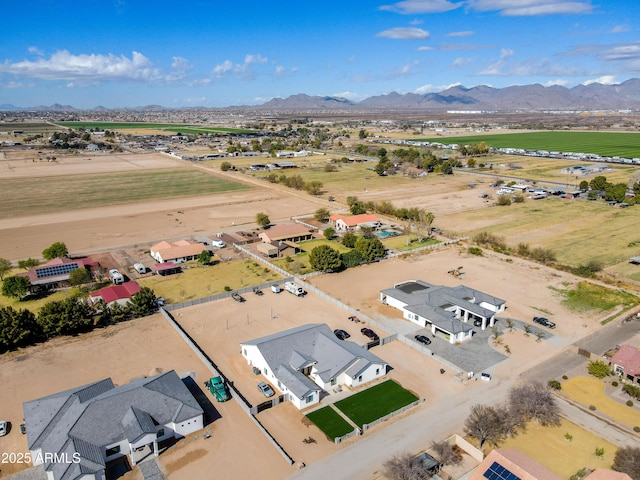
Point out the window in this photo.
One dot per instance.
(112, 450)
(310, 398)
(360, 378)
(333, 381)
(160, 433)
(377, 371)
(266, 372)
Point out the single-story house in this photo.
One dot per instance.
(626, 362)
(91, 425)
(56, 272)
(180, 251)
(293, 232)
(344, 223)
(120, 294)
(304, 361)
(445, 309)
(511, 464)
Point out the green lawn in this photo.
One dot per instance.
(34, 305)
(24, 196)
(603, 143)
(330, 422)
(375, 402)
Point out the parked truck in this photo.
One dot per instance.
(218, 389)
(116, 277)
(293, 288)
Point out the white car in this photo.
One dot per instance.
(218, 244)
(3, 428)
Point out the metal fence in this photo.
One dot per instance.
(427, 247)
(352, 433)
(367, 426)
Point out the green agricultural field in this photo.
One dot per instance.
(602, 143)
(197, 281)
(577, 231)
(169, 127)
(24, 196)
(330, 422)
(375, 402)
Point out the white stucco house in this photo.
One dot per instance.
(75, 433)
(305, 361)
(451, 310)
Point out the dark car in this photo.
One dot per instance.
(423, 339)
(367, 332)
(544, 321)
(258, 292)
(341, 334)
(237, 297)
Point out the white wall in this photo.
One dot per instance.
(366, 376)
(185, 428)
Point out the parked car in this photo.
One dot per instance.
(341, 334)
(258, 292)
(237, 297)
(477, 322)
(367, 332)
(23, 428)
(266, 390)
(218, 244)
(3, 428)
(423, 339)
(544, 322)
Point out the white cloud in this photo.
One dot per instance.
(466, 33)
(461, 62)
(181, 64)
(424, 48)
(604, 80)
(244, 70)
(36, 51)
(518, 8)
(433, 88)
(624, 56)
(354, 97)
(415, 21)
(223, 68)
(560, 82)
(621, 29)
(422, 6)
(404, 33)
(85, 68)
(249, 59)
(462, 46)
(496, 68)
(280, 71)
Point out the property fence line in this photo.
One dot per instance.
(427, 351)
(354, 432)
(427, 247)
(277, 400)
(367, 426)
(235, 393)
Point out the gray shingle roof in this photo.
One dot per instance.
(292, 349)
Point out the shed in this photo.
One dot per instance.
(267, 249)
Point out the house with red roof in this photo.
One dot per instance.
(345, 223)
(626, 362)
(55, 273)
(180, 251)
(116, 293)
(511, 464)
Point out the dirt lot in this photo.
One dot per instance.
(124, 352)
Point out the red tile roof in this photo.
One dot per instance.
(44, 278)
(116, 292)
(517, 463)
(284, 232)
(628, 357)
(355, 220)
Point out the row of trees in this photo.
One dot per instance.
(73, 315)
(324, 258)
(313, 187)
(613, 192)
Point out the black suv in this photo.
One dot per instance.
(367, 332)
(341, 334)
(544, 322)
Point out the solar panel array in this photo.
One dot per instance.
(498, 472)
(56, 270)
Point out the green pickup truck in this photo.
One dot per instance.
(218, 389)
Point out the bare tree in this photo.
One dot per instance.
(446, 453)
(534, 401)
(627, 460)
(405, 467)
(484, 424)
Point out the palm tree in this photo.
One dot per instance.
(527, 330)
(539, 336)
(509, 324)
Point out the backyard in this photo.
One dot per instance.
(330, 422)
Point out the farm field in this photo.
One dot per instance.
(24, 196)
(625, 145)
(167, 127)
(577, 231)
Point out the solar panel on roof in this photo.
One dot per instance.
(498, 472)
(55, 270)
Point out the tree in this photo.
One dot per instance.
(446, 453)
(371, 249)
(79, 276)
(422, 223)
(584, 185)
(66, 317)
(314, 187)
(225, 166)
(534, 401)
(28, 263)
(471, 163)
(5, 267)
(367, 232)
(405, 467)
(262, 219)
(329, 233)
(56, 250)
(18, 328)
(351, 259)
(598, 183)
(322, 215)
(16, 287)
(143, 303)
(349, 239)
(205, 257)
(627, 460)
(599, 369)
(615, 193)
(357, 208)
(324, 258)
(484, 424)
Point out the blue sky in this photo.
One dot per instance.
(128, 53)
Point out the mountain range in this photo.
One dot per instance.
(535, 97)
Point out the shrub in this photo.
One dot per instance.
(636, 429)
(225, 166)
(554, 384)
(518, 199)
(631, 390)
(614, 384)
(629, 403)
(599, 369)
(227, 288)
(475, 251)
(503, 201)
(564, 377)
(592, 407)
